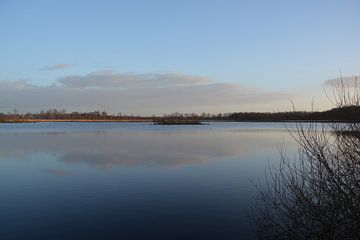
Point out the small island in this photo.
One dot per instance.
(177, 122)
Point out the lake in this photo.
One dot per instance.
(133, 180)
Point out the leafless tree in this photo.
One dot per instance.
(317, 194)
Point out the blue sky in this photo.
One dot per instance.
(275, 46)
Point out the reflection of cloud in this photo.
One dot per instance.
(135, 148)
(347, 81)
(157, 159)
(59, 66)
(58, 172)
(146, 93)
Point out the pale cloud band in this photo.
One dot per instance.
(138, 93)
(109, 79)
(59, 66)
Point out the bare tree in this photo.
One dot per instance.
(317, 194)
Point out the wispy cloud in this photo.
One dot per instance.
(346, 81)
(138, 93)
(59, 66)
(15, 85)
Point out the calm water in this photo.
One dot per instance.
(132, 180)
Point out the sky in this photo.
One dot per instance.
(155, 57)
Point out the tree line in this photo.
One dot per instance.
(341, 113)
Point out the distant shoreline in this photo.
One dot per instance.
(340, 114)
(154, 121)
(72, 120)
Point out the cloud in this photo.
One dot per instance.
(108, 79)
(138, 93)
(15, 85)
(347, 81)
(59, 66)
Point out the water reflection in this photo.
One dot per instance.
(100, 181)
(131, 148)
(58, 172)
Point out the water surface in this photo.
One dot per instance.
(132, 180)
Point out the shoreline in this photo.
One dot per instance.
(155, 121)
(71, 120)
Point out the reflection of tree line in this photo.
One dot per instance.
(317, 194)
(343, 113)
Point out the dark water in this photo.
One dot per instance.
(132, 180)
